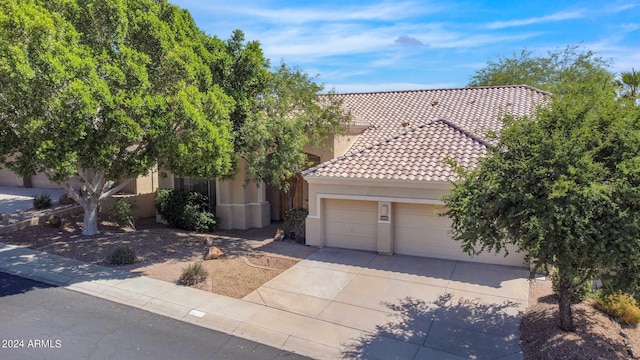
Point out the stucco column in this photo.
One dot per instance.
(385, 228)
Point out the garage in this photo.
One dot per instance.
(40, 180)
(7, 178)
(351, 224)
(420, 231)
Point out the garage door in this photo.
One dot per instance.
(351, 224)
(7, 178)
(40, 180)
(419, 231)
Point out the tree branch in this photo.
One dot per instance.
(114, 190)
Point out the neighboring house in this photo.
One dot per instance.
(384, 193)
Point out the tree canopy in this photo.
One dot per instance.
(562, 185)
(106, 90)
(550, 73)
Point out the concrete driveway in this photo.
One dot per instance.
(368, 306)
(13, 198)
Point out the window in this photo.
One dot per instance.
(202, 186)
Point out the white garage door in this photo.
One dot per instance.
(419, 231)
(351, 224)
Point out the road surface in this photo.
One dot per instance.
(38, 321)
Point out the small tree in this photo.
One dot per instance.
(562, 186)
(286, 118)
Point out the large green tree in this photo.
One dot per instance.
(108, 89)
(563, 186)
(279, 112)
(550, 72)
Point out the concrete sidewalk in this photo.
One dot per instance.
(244, 319)
(335, 304)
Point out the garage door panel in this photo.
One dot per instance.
(40, 180)
(420, 231)
(8, 178)
(351, 224)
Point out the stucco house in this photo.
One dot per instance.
(379, 186)
(383, 193)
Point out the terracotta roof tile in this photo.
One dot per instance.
(411, 133)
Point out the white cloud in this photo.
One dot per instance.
(559, 16)
(381, 11)
(620, 8)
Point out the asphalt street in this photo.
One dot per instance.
(38, 321)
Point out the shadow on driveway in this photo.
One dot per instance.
(447, 330)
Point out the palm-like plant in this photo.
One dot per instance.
(630, 84)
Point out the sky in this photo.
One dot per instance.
(366, 46)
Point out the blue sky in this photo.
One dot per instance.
(357, 46)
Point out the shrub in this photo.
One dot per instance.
(123, 255)
(54, 220)
(42, 201)
(193, 274)
(621, 307)
(121, 213)
(184, 210)
(294, 223)
(579, 294)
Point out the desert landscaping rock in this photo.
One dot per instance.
(213, 253)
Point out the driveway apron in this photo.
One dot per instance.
(364, 305)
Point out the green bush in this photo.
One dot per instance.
(621, 307)
(579, 294)
(193, 274)
(123, 255)
(185, 210)
(121, 214)
(294, 223)
(42, 201)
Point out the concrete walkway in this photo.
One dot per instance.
(336, 304)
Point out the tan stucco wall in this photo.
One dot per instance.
(333, 147)
(142, 204)
(148, 183)
(242, 206)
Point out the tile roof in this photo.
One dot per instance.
(411, 133)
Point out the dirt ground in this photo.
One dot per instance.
(251, 256)
(596, 336)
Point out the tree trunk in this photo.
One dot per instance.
(90, 226)
(292, 190)
(566, 290)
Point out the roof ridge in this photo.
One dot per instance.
(445, 89)
(464, 132)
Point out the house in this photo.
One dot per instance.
(379, 186)
(384, 192)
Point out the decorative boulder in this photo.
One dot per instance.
(213, 253)
(279, 236)
(64, 199)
